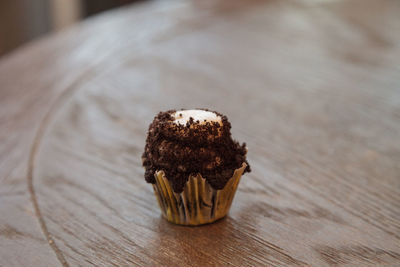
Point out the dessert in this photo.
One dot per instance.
(194, 165)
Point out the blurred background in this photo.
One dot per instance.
(24, 20)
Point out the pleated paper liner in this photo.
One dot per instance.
(199, 203)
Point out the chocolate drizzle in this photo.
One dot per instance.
(181, 150)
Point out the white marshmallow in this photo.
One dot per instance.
(183, 116)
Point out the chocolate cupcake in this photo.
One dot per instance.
(194, 165)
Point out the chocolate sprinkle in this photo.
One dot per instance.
(184, 150)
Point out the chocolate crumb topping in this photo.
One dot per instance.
(183, 150)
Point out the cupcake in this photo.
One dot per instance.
(193, 164)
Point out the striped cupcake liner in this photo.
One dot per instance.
(199, 203)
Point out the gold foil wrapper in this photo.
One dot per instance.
(199, 203)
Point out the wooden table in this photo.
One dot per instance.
(313, 87)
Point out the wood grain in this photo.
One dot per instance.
(311, 86)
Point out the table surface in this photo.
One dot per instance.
(312, 87)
